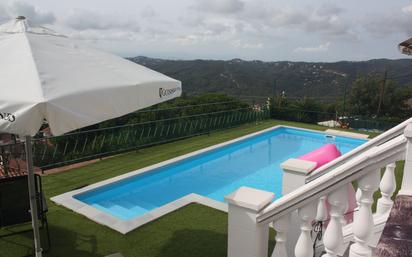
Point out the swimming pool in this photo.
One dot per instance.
(253, 162)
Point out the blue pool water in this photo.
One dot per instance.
(253, 162)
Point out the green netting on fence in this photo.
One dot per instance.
(308, 116)
(81, 146)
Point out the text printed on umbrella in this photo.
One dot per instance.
(7, 116)
(166, 92)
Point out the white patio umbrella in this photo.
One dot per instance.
(406, 46)
(47, 76)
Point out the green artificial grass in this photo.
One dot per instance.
(194, 230)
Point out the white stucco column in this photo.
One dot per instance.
(246, 238)
(294, 176)
(406, 188)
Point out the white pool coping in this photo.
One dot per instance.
(69, 201)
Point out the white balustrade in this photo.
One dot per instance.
(363, 222)
(295, 172)
(333, 237)
(387, 187)
(251, 211)
(281, 227)
(304, 245)
(406, 188)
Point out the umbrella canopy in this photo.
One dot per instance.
(406, 47)
(44, 75)
(47, 76)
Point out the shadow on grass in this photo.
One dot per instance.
(199, 243)
(65, 241)
(17, 240)
(62, 242)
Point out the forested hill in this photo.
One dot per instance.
(257, 78)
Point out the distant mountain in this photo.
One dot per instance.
(257, 78)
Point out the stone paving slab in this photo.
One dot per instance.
(115, 255)
(396, 239)
(346, 134)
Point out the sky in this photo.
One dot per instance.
(268, 30)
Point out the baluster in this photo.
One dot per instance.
(281, 226)
(304, 247)
(333, 237)
(363, 222)
(387, 187)
(345, 207)
(321, 214)
(358, 197)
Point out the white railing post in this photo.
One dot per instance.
(246, 237)
(322, 212)
(363, 223)
(281, 226)
(295, 172)
(304, 245)
(333, 238)
(387, 187)
(406, 188)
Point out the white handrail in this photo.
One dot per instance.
(382, 138)
(371, 159)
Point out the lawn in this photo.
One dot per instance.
(194, 230)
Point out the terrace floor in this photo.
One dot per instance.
(194, 230)
(396, 240)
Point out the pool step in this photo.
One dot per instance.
(126, 208)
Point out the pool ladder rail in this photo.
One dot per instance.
(330, 138)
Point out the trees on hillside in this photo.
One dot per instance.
(374, 96)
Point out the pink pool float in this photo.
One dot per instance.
(323, 155)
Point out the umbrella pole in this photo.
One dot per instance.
(32, 196)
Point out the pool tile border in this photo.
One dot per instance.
(69, 201)
(125, 226)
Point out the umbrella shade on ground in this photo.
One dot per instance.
(406, 47)
(47, 76)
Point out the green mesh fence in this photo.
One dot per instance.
(76, 147)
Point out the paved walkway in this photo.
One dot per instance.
(396, 239)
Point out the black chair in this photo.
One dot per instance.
(15, 204)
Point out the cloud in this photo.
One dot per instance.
(316, 49)
(220, 6)
(216, 28)
(407, 9)
(326, 18)
(4, 16)
(240, 44)
(186, 40)
(33, 14)
(148, 12)
(192, 21)
(210, 26)
(95, 35)
(79, 19)
(392, 22)
(329, 9)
